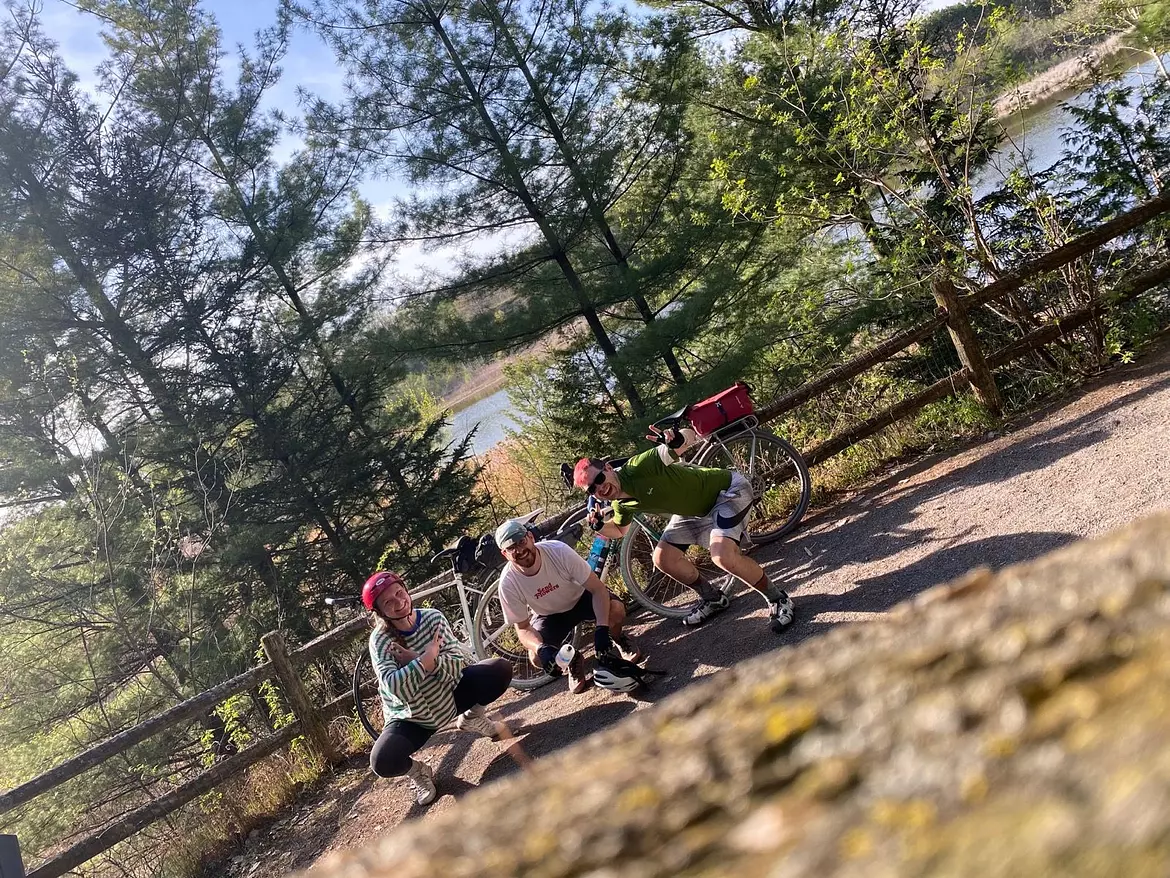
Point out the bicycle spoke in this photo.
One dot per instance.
(779, 480)
(656, 591)
(494, 636)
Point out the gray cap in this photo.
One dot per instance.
(510, 533)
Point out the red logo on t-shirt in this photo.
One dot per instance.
(545, 590)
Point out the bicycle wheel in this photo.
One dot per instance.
(366, 699)
(493, 636)
(658, 592)
(779, 478)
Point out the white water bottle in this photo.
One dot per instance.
(565, 656)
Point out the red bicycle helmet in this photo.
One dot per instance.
(377, 584)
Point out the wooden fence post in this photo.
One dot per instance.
(11, 865)
(967, 344)
(298, 698)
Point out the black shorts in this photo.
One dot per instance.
(554, 629)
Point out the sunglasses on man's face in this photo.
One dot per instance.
(598, 481)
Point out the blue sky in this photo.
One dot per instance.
(309, 63)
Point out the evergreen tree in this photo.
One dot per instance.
(507, 115)
(195, 443)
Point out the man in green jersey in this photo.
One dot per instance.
(707, 507)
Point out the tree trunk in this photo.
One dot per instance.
(579, 179)
(587, 309)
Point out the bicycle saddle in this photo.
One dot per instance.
(673, 418)
(461, 553)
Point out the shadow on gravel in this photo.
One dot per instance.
(879, 593)
(947, 564)
(1020, 454)
(542, 738)
(527, 699)
(879, 524)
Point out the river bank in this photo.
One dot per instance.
(491, 379)
(488, 380)
(1112, 57)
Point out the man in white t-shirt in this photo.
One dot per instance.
(546, 589)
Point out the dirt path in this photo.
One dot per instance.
(1082, 466)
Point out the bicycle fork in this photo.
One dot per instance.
(468, 622)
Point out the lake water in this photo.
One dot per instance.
(492, 414)
(1037, 133)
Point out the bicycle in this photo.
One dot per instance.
(634, 559)
(466, 556)
(780, 482)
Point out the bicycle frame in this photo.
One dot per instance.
(465, 606)
(601, 550)
(744, 426)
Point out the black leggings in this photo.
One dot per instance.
(481, 683)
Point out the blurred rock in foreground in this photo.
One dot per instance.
(1015, 724)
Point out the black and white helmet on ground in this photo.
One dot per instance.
(616, 674)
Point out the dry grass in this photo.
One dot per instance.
(1058, 80)
(514, 482)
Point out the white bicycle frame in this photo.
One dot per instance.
(465, 606)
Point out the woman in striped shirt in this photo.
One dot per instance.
(425, 680)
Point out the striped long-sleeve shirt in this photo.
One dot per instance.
(408, 691)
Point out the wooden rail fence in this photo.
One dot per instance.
(309, 722)
(282, 665)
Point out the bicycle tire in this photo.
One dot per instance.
(494, 637)
(658, 592)
(368, 706)
(779, 476)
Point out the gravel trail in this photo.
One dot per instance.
(1081, 466)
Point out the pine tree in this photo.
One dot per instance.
(507, 115)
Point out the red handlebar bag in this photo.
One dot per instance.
(721, 409)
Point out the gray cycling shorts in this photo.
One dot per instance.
(727, 517)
